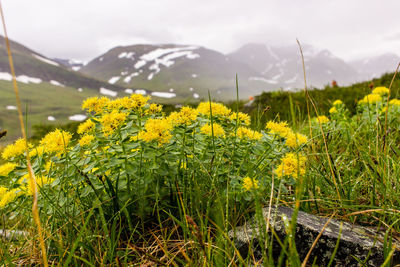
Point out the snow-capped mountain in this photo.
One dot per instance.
(72, 64)
(374, 67)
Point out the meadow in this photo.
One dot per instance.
(142, 187)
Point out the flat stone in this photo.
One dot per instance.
(356, 242)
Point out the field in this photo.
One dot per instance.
(142, 187)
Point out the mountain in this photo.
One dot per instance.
(70, 63)
(374, 67)
(281, 66)
(32, 67)
(186, 71)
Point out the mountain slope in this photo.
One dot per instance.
(282, 67)
(32, 67)
(374, 67)
(188, 71)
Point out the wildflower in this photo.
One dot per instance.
(370, 99)
(381, 91)
(37, 151)
(216, 108)
(6, 196)
(278, 128)
(139, 101)
(333, 110)
(243, 118)
(6, 168)
(40, 181)
(337, 102)
(243, 132)
(111, 121)
(395, 102)
(86, 127)
(86, 140)
(322, 119)
(294, 140)
(185, 116)
(158, 130)
(216, 129)
(95, 104)
(249, 183)
(154, 109)
(120, 103)
(56, 141)
(291, 165)
(16, 149)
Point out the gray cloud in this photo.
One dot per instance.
(84, 29)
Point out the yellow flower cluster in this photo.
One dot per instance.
(322, 119)
(6, 168)
(86, 127)
(333, 110)
(243, 118)
(279, 128)
(216, 128)
(40, 181)
(249, 184)
(291, 165)
(154, 109)
(158, 130)
(37, 151)
(185, 116)
(86, 140)
(111, 121)
(243, 132)
(294, 140)
(16, 149)
(381, 91)
(139, 101)
(95, 104)
(56, 141)
(7, 196)
(337, 102)
(394, 102)
(216, 108)
(371, 99)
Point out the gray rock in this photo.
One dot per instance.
(356, 242)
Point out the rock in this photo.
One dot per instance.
(358, 242)
(12, 234)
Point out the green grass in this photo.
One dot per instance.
(38, 102)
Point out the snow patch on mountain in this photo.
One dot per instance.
(48, 61)
(11, 107)
(27, 79)
(51, 118)
(114, 79)
(263, 80)
(163, 94)
(53, 82)
(77, 117)
(105, 91)
(126, 55)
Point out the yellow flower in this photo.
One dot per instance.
(370, 99)
(6, 168)
(95, 104)
(249, 183)
(216, 108)
(139, 101)
(6, 196)
(86, 140)
(243, 132)
(111, 121)
(294, 140)
(381, 90)
(395, 102)
(333, 110)
(56, 141)
(278, 128)
(243, 118)
(16, 149)
(185, 116)
(217, 129)
(37, 151)
(337, 102)
(291, 165)
(158, 130)
(40, 181)
(154, 109)
(322, 119)
(86, 127)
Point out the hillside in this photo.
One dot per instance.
(185, 71)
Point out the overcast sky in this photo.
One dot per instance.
(84, 29)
